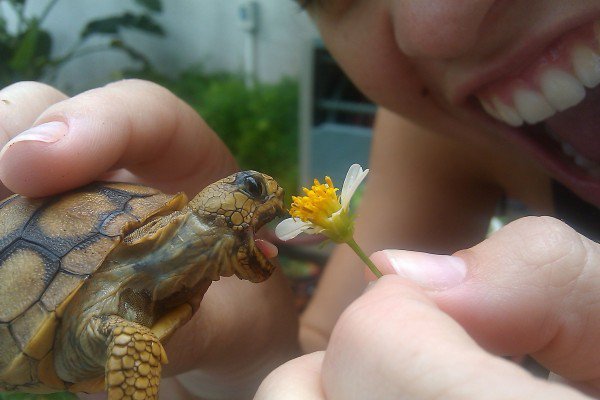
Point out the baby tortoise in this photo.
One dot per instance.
(93, 280)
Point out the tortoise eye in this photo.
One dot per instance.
(254, 187)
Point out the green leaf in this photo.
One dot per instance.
(43, 48)
(25, 49)
(152, 5)
(31, 53)
(112, 25)
(131, 52)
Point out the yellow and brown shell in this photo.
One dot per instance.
(48, 247)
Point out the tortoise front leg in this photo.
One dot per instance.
(134, 360)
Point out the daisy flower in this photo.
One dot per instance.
(321, 210)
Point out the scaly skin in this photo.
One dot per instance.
(134, 362)
(106, 328)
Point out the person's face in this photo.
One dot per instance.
(521, 69)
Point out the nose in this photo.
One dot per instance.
(438, 28)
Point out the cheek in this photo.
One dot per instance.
(363, 44)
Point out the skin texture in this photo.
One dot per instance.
(530, 288)
(436, 175)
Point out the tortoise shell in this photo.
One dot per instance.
(48, 247)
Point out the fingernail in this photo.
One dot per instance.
(50, 132)
(430, 271)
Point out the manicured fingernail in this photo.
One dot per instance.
(50, 132)
(430, 271)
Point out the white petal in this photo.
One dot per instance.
(290, 228)
(351, 175)
(354, 177)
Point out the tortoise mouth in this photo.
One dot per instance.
(260, 252)
(256, 263)
(263, 246)
(268, 249)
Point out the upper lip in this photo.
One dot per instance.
(514, 58)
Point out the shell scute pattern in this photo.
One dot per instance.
(35, 323)
(25, 270)
(48, 247)
(61, 286)
(87, 255)
(14, 214)
(10, 348)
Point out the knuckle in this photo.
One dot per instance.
(31, 95)
(553, 247)
(22, 102)
(32, 87)
(138, 85)
(544, 236)
(539, 224)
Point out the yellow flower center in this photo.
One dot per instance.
(318, 204)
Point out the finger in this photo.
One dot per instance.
(21, 104)
(394, 343)
(130, 124)
(241, 332)
(532, 288)
(298, 379)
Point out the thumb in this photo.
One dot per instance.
(531, 288)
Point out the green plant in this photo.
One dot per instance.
(259, 124)
(26, 50)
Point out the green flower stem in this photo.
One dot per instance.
(354, 246)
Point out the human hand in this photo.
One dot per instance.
(130, 130)
(140, 132)
(431, 326)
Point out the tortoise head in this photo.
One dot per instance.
(240, 205)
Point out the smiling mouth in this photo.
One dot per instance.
(555, 102)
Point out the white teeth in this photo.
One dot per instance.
(532, 106)
(558, 90)
(562, 90)
(591, 167)
(568, 149)
(489, 108)
(506, 113)
(584, 162)
(586, 64)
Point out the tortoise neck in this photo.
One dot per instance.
(182, 246)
